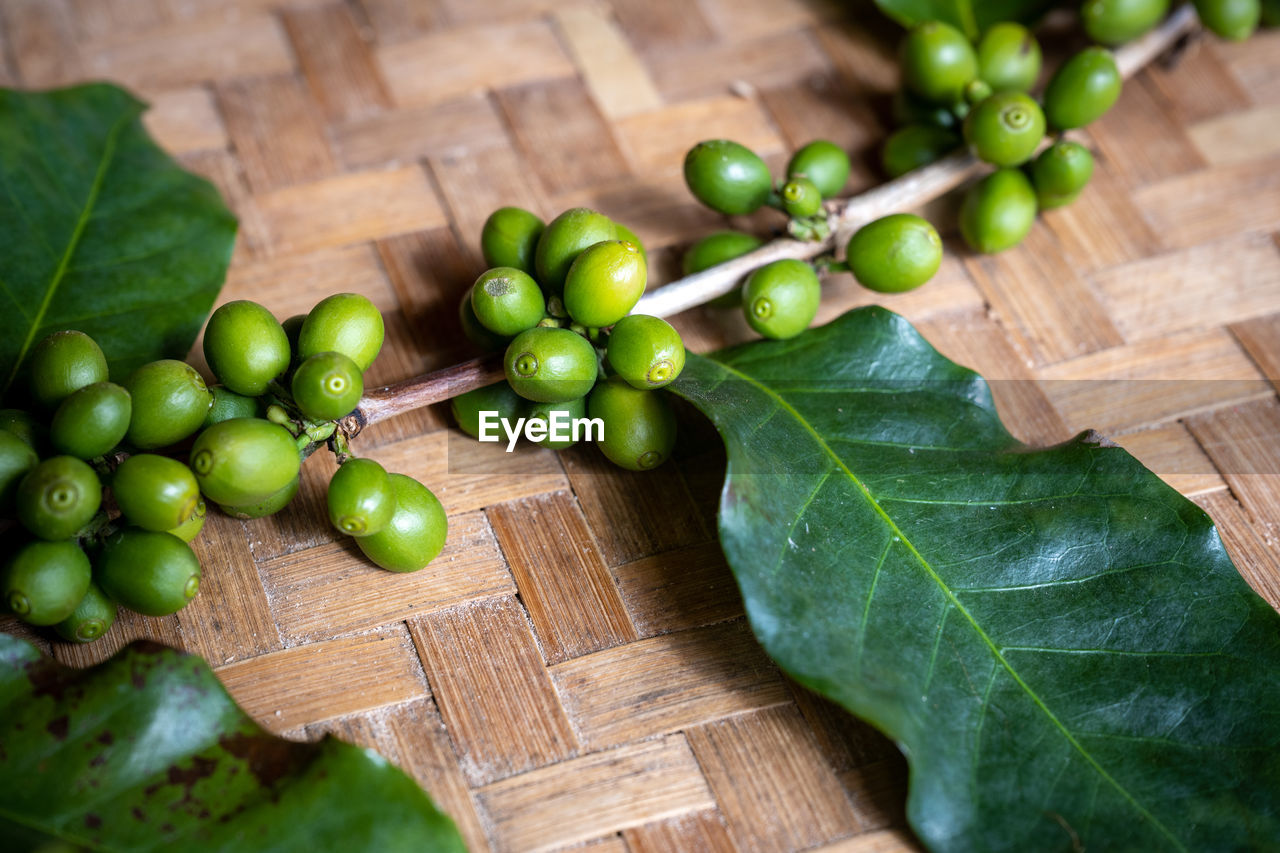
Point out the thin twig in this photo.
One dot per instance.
(845, 217)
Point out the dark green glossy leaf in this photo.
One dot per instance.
(971, 17)
(147, 752)
(100, 231)
(1057, 639)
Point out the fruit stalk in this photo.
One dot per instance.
(845, 216)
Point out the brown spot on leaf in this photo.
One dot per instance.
(58, 727)
(92, 821)
(138, 814)
(269, 759)
(106, 738)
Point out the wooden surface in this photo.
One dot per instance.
(575, 668)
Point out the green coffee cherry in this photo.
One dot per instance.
(801, 197)
(1060, 172)
(781, 299)
(715, 249)
(998, 211)
(148, 572)
(937, 62)
(227, 404)
(16, 459)
(269, 505)
(24, 425)
(727, 177)
(506, 301)
(896, 253)
(246, 347)
(566, 237)
(244, 460)
(645, 351)
(497, 397)
(416, 533)
(627, 235)
(639, 426)
(908, 148)
(1082, 89)
(977, 91)
(64, 362)
(327, 386)
(564, 414)
(170, 402)
(824, 163)
(188, 530)
(474, 330)
(44, 581)
(360, 497)
(550, 365)
(93, 617)
(155, 492)
(1233, 20)
(1009, 58)
(1114, 22)
(91, 421)
(604, 283)
(509, 238)
(58, 497)
(910, 109)
(1005, 129)
(344, 322)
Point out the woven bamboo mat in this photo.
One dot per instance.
(575, 669)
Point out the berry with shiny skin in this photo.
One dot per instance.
(1009, 58)
(360, 498)
(895, 253)
(227, 404)
(1060, 172)
(550, 365)
(937, 62)
(1005, 129)
(416, 533)
(727, 177)
(91, 421)
(639, 426)
(1114, 22)
(474, 330)
(714, 249)
(244, 460)
(908, 148)
(43, 582)
(344, 322)
(16, 459)
(1082, 89)
(604, 283)
(1233, 20)
(269, 505)
(188, 530)
(506, 301)
(155, 492)
(93, 617)
(824, 163)
(246, 347)
(327, 386)
(998, 211)
(64, 362)
(169, 402)
(148, 572)
(509, 238)
(801, 197)
(645, 351)
(566, 237)
(58, 497)
(780, 299)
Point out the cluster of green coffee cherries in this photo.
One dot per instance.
(556, 300)
(104, 485)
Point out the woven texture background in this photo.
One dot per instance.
(575, 668)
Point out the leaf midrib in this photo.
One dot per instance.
(951, 597)
(82, 222)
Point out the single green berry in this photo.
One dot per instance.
(327, 386)
(148, 572)
(896, 253)
(1005, 129)
(93, 617)
(1009, 58)
(244, 460)
(627, 235)
(908, 148)
(780, 299)
(550, 365)
(509, 238)
(269, 505)
(715, 249)
(1233, 20)
(998, 211)
(639, 426)
(546, 421)
(1082, 89)
(1060, 172)
(188, 530)
(801, 197)
(44, 581)
(1114, 22)
(155, 492)
(91, 421)
(360, 497)
(25, 426)
(64, 362)
(645, 351)
(344, 322)
(937, 62)
(977, 91)
(292, 326)
(474, 330)
(170, 402)
(227, 404)
(246, 347)
(566, 237)
(416, 533)
(58, 497)
(506, 301)
(824, 163)
(498, 397)
(16, 459)
(727, 177)
(604, 283)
